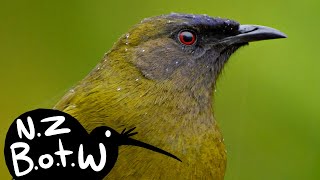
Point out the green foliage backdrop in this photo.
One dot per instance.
(267, 100)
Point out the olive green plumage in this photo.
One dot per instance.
(152, 81)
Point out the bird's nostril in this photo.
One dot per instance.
(247, 29)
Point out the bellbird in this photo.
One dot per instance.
(159, 77)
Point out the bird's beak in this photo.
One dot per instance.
(250, 33)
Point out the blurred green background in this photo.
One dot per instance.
(267, 100)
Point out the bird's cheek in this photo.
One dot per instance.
(158, 62)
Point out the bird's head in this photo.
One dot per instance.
(187, 50)
(106, 134)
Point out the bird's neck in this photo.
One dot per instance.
(117, 95)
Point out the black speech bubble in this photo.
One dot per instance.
(71, 141)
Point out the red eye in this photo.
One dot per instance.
(187, 37)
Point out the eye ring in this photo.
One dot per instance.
(187, 37)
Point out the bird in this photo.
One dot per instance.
(160, 77)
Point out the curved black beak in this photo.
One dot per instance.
(138, 143)
(250, 33)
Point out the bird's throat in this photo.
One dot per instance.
(178, 121)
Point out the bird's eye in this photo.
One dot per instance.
(187, 37)
(108, 133)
